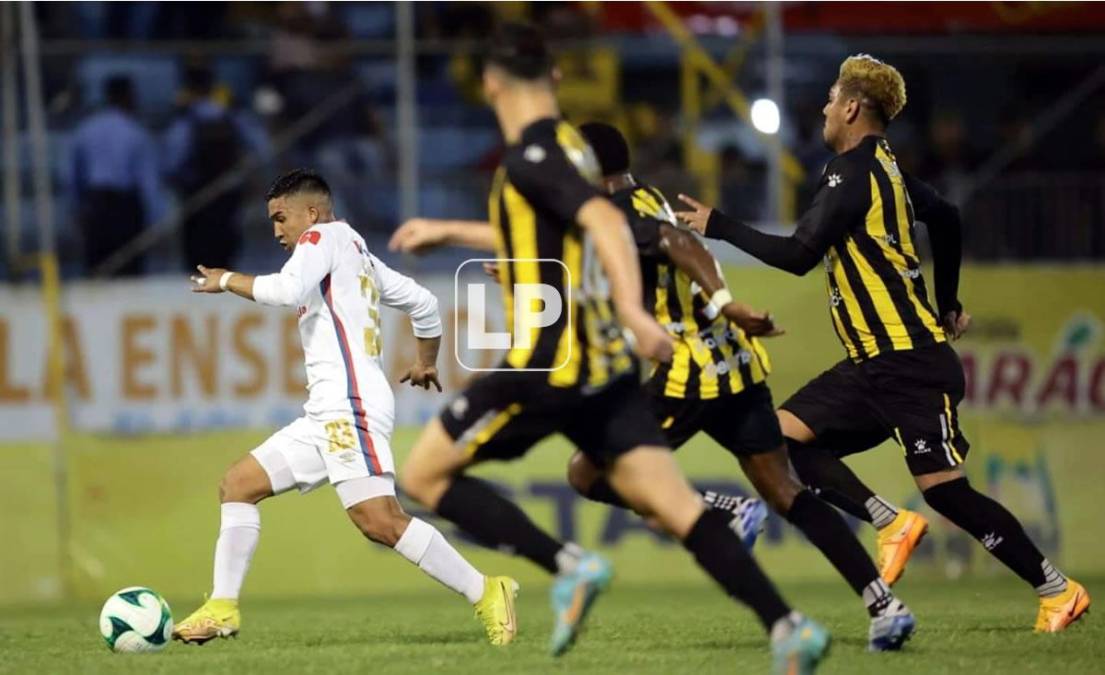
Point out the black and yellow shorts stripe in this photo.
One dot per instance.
(500, 416)
(910, 396)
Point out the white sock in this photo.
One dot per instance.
(567, 558)
(424, 546)
(1055, 582)
(881, 511)
(238, 535)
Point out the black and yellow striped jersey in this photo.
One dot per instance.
(537, 191)
(862, 218)
(712, 357)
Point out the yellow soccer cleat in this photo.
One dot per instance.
(496, 609)
(897, 542)
(1060, 611)
(216, 618)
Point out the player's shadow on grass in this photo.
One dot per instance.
(990, 628)
(751, 644)
(445, 637)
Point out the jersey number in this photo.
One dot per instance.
(372, 344)
(340, 435)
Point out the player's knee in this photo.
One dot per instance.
(581, 473)
(383, 522)
(235, 486)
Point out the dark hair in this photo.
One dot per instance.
(119, 91)
(520, 50)
(609, 145)
(297, 181)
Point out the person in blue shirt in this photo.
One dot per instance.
(206, 141)
(114, 178)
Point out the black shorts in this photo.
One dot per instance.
(743, 423)
(502, 415)
(910, 396)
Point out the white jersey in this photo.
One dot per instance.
(337, 287)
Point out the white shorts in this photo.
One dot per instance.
(307, 453)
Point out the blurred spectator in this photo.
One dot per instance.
(949, 158)
(742, 185)
(205, 142)
(114, 178)
(305, 68)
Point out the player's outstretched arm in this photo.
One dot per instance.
(419, 235)
(790, 254)
(309, 264)
(610, 235)
(218, 280)
(690, 256)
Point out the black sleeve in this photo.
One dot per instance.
(841, 203)
(548, 179)
(941, 217)
(786, 253)
(842, 200)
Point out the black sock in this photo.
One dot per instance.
(721, 554)
(992, 524)
(496, 522)
(830, 534)
(830, 478)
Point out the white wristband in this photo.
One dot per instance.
(718, 300)
(224, 280)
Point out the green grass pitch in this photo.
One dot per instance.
(966, 626)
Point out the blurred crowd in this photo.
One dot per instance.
(144, 133)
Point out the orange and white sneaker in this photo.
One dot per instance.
(896, 543)
(1060, 611)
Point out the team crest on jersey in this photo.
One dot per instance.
(458, 407)
(534, 153)
(834, 179)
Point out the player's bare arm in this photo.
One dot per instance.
(690, 256)
(609, 232)
(424, 371)
(218, 280)
(419, 235)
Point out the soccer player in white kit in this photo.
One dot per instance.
(337, 287)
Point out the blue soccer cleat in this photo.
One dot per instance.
(749, 514)
(800, 650)
(890, 630)
(749, 523)
(572, 596)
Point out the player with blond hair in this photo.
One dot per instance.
(901, 378)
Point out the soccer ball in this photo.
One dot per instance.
(136, 619)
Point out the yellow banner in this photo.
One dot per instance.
(144, 510)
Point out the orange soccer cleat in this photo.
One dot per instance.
(1060, 611)
(896, 543)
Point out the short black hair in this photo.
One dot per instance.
(609, 145)
(297, 181)
(519, 49)
(119, 91)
